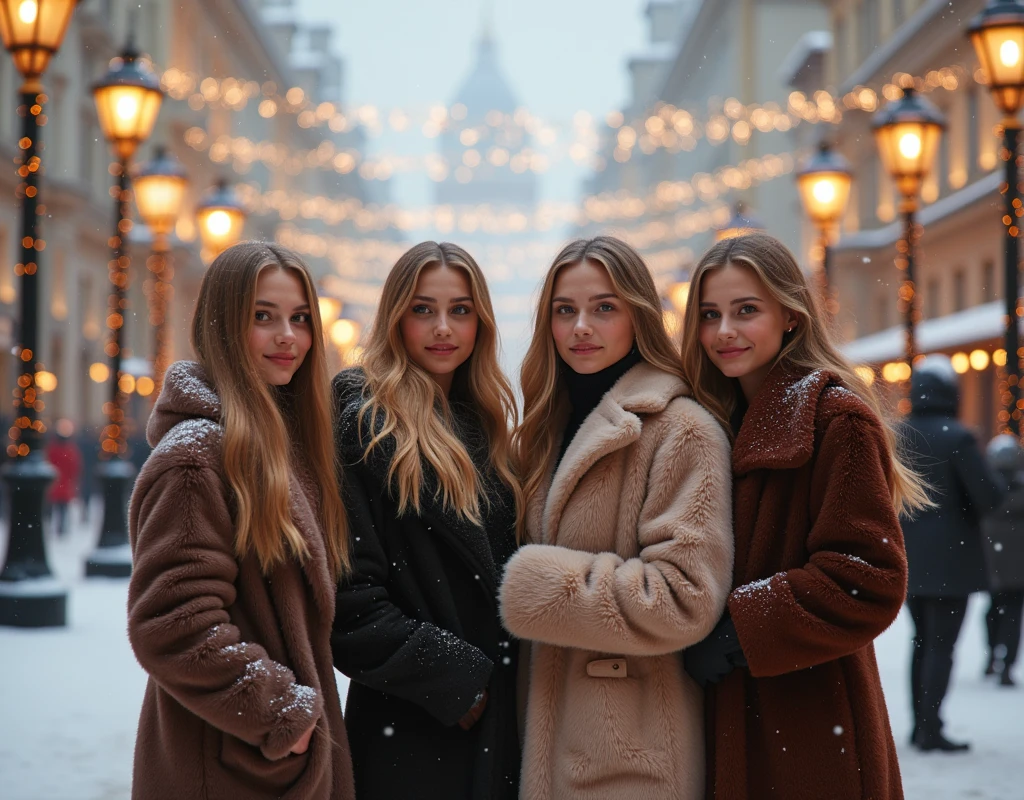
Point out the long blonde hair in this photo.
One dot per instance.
(403, 401)
(264, 427)
(808, 347)
(544, 396)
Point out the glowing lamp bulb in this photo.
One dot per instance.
(127, 107)
(824, 191)
(910, 145)
(28, 10)
(218, 223)
(1009, 53)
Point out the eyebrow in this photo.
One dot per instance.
(591, 300)
(733, 302)
(268, 304)
(434, 299)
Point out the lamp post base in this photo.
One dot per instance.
(30, 597)
(112, 557)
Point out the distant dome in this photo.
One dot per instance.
(485, 88)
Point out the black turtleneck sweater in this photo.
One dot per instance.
(586, 391)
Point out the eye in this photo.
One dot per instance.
(462, 310)
(262, 316)
(302, 318)
(606, 307)
(421, 309)
(709, 314)
(747, 309)
(564, 310)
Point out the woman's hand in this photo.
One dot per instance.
(302, 745)
(472, 716)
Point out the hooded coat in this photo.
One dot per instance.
(820, 572)
(944, 546)
(239, 662)
(417, 627)
(629, 562)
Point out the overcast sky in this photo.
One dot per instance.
(559, 56)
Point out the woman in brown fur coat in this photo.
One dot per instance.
(797, 712)
(629, 537)
(238, 536)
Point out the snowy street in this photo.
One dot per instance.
(70, 702)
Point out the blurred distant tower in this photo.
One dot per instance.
(489, 190)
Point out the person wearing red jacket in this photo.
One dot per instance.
(64, 454)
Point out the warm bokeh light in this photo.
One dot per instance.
(218, 223)
(344, 332)
(330, 310)
(999, 358)
(824, 191)
(144, 386)
(46, 381)
(678, 294)
(126, 384)
(867, 374)
(979, 359)
(961, 362)
(910, 145)
(1009, 53)
(896, 371)
(28, 10)
(99, 372)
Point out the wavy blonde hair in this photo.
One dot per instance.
(263, 426)
(403, 401)
(544, 396)
(808, 347)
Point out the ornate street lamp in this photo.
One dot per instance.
(160, 187)
(32, 31)
(824, 184)
(998, 37)
(907, 133)
(221, 219)
(127, 99)
(740, 224)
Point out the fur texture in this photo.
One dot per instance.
(631, 558)
(239, 663)
(820, 572)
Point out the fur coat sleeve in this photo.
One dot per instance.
(183, 582)
(672, 592)
(377, 644)
(854, 582)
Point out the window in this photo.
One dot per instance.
(931, 299)
(988, 281)
(882, 311)
(899, 13)
(840, 49)
(867, 190)
(959, 290)
(868, 27)
(973, 129)
(86, 147)
(943, 166)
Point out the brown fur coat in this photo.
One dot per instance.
(239, 664)
(820, 572)
(631, 563)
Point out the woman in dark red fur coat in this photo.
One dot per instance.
(794, 704)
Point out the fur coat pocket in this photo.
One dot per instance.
(249, 767)
(618, 728)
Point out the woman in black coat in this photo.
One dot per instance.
(944, 547)
(431, 708)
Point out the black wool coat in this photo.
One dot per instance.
(944, 547)
(417, 629)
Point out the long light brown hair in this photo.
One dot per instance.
(265, 427)
(403, 401)
(808, 347)
(544, 396)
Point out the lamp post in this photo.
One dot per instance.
(824, 184)
(221, 219)
(32, 31)
(159, 195)
(128, 100)
(998, 37)
(907, 132)
(740, 224)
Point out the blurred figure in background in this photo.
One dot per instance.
(1004, 546)
(64, 454)
(944, 548)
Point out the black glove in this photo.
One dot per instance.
(715, 656)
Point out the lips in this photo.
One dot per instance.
(732, 352)
(442, 349)
(282, 359)
(584, 349)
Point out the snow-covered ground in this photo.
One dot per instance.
(69, 701)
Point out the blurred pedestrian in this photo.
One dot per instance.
(796, 711)
(944, 547)
(1004, 545)
(238, 536)
(432, 501)
(630, 538)
(63, 453)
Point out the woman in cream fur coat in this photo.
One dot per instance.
(628, 539)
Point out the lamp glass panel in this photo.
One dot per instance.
(127, 114)
(220, 227)
(824, 195)
(33, 30)
(160, 198)
(1000, 50)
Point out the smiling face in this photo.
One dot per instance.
(742, 325)
(282, 329)
(590, 323)
(439, 327)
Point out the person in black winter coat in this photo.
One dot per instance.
(944, 548)
(431, 709)
(1004, 533)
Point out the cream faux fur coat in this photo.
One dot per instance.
(630, 561)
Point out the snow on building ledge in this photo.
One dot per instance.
(963, 328)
